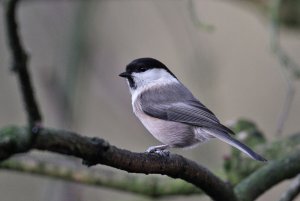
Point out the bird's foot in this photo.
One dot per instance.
(160, 150)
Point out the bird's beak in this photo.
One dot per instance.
(125, 74)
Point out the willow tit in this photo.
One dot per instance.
(169, 110)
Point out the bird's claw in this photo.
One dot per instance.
(160, 150)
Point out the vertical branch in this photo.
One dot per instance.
(289, 68)
(19, 64)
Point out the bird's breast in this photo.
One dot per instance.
(171, 133)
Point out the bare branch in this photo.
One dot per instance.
(19, 64)
(97, 151)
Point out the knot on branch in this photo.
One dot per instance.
(101, 146)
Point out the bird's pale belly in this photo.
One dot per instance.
(170, 133)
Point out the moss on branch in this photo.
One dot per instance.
(151, 186)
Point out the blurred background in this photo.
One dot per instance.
(221, 50)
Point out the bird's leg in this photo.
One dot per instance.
(159, 149)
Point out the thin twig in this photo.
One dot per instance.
(293, 190)
(288, 67)
(19, 64)
(287, 104)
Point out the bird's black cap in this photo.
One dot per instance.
(144, 64)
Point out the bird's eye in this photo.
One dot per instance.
(142, 69)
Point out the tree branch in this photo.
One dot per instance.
(266, 177)
(19, 64)
(97, 151)
(15, 137)
(147, 186)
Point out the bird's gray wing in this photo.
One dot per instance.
(176, 103)
(185, 113)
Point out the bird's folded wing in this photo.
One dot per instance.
(188, 112)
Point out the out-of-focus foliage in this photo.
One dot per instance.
(289, 11)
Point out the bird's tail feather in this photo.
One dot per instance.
(237, 144)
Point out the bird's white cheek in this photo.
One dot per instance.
(152, 75)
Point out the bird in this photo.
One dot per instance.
(170, 112)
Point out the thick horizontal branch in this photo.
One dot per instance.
(139, 184)
(263, 179)
(97, 151)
